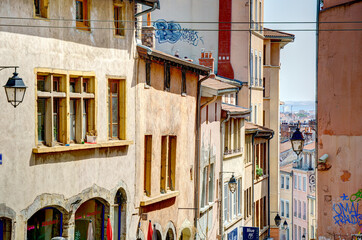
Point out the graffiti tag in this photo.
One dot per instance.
(347, 212)
(172, 32)
(357, 196)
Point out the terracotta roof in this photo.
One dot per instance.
(234, 109)
(285, 146)
(287, 167)
(144, 50)
(218, 85)
(310, 146)
(250, 127)
(269, 33)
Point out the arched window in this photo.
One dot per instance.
(120, 211)
(5, 228)
(90, 215)
(158, 234)
(170, 235)
(45, 224)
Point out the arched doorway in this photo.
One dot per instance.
(185, 234)
(120, 211)
(158, 234)
(170, 235)
(91, 214)
(5, 228)
(45, 224)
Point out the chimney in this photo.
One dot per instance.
(148, 36)
(207, 60)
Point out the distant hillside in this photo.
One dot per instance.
(297, 105)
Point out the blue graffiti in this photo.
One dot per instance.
(344, 197)
(347, 212)
(172, 32)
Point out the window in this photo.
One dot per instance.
(207, 194)
(41, 8)
(282, 181)
(148, 165)
(282, 208)
(295, 207)
(45, 224)
(295, 181)
(299, 209)
(232, 136)
(247, 203)
(287, 209)
(167, 77)
(226, 194)
(5, 228)
(183, 88)
(304, 210)
(287, 182)
(248, 148)
(235, 203)
(82, 14)
(148, 73)
(260, 26)
(312, 207)
(119, 19)
(299, 233)
(295, 232)
(90, 211)
(299, 182)
(52, 108)
(312, 232)
(117, 109)
(251, 12)
(256, 68)
(260, 77)
(168, 162)
(304, 183)
(239, 196)
(251, 67)
(257, 214)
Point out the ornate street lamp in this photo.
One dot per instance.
(297, 141)
(285, 225)
(277, 220)
(232, 184)
(14, 88)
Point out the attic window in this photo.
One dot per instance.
(167, 77)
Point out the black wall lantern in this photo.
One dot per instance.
(297, 141)
(277, 220)
(232, 184)
(14, 88)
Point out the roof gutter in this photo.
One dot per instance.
(156, 5)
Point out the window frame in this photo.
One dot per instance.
(122, 109)
(84, 23)
(62, 95)
(43, 8)
(119, 31)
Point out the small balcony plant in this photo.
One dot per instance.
(259, 171)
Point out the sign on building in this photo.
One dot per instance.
(250, 233)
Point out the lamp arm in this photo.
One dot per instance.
(5, 67)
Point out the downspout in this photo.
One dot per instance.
(153, 8)
(269, 183)
(253, 176)
(316, 109)
(209, 102)
(221, 182)
(197, 147)
(250, 14)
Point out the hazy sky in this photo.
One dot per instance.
(298, 59)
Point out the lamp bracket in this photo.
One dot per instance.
(5, 67)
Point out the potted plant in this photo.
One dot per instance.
(259, 171)
(92, 136)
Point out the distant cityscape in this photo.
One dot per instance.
(294, 111)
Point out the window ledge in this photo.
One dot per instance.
(233, 155)
(72, 147)
(233, 222)
(207, 207)
(261, 178)
(162, 197)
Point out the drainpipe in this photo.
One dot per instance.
(156, 5)
(209, 102)
(221, 227)
(197, 148)
(253, 176)
(316, 120)
(269, 183)
(250, 14)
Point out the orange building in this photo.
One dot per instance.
(339, 181)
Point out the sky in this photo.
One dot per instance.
(298, 59)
